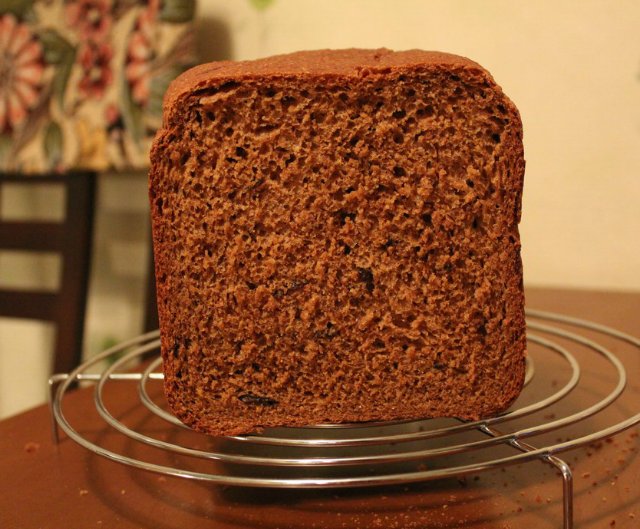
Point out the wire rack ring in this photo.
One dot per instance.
(349, 446)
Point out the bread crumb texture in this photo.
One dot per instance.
(336, 240)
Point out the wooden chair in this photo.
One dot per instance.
(71, 239)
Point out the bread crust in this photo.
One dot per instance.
(193, 372)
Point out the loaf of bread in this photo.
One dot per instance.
(336, 240)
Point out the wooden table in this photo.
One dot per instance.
(45, 486)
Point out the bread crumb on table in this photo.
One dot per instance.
(31, 447)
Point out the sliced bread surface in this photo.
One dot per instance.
(336, 240)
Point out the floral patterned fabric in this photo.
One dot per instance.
(81, 81)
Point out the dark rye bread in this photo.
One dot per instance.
(336, 240)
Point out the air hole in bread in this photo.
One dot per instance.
(344, 215)
(288, 101)
(366, 276)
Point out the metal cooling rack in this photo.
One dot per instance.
(367, 454)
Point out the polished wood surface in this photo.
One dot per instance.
(65, 486)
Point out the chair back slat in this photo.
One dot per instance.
(32, 236)
(30, 305)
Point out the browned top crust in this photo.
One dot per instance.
(318, 63)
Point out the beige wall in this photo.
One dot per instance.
(573, 69)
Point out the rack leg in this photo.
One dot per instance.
(54, 380)
(567, 488)
(559, 464)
